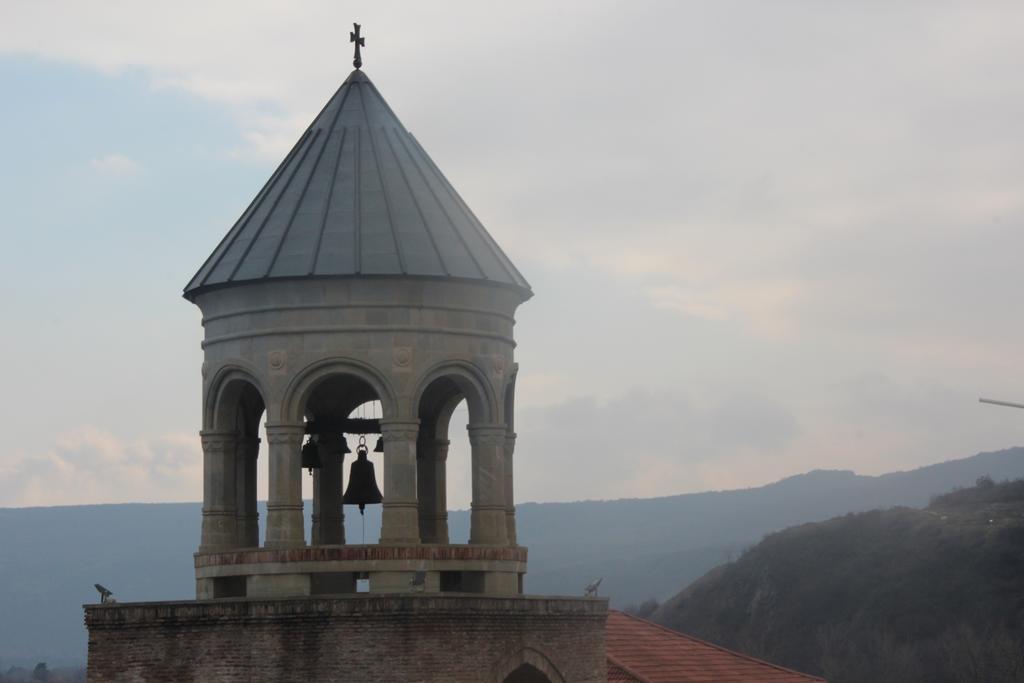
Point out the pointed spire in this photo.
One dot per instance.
(357, 196)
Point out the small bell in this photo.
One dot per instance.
(362, 484)
(379, 448)
(344, 446)
(311, 456)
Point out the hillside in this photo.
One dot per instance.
(887, 595)
(51, 557)
(648, 548)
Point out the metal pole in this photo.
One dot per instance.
(1001, 403)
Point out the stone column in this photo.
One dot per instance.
(487, 520)
(400, 519)
(247, 519)
(314, 517)
(219, 528)
(432, 463)
(327, 488)
(425, 486)
(510, 504)
(284, 504)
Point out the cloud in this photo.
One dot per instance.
(745, 200)
(543, 388)
(90, 465)
(687, 302)
(644, 443)
(761, 307)
(637, 443)
(115, 164)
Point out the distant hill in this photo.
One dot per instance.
(51, 557)
(903, 594)
(648, 548)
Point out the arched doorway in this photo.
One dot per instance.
(339, 409)
(527, 666)
(443, 393)
(436, 408)
(527, 673)
(231, 446)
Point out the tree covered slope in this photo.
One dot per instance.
(934, 594)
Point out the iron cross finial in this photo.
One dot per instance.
(354, 37)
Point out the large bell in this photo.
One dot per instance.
(362, 484)
(311, 456)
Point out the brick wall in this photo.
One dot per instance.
(379, 639)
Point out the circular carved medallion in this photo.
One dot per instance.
(276, 359)
(403, 356)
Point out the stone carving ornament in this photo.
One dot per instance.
(403, 356)
(277, 360)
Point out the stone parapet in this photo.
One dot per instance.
(317, 570)
(149, 613)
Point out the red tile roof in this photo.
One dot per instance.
(640, 651)
(617, 674)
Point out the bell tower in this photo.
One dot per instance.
(357, 276)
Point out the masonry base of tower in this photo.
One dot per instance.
(357, 638)
(329, 570)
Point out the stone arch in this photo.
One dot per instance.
(470, 381)
(527, 665)
(234, 403)
(435, 410)
(444, 416)
(232, 386)
(440, 390)
(527, 673)
(301, 386)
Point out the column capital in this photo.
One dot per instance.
(285, 433)
(487, 434)
(430, 446)
(221, 438)
(399, 430)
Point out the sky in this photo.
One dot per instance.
(763, 238)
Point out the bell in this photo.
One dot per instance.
(311, 456)
(362, 484)
(379, 448)
(344, 446)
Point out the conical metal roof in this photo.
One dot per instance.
(356, 197)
